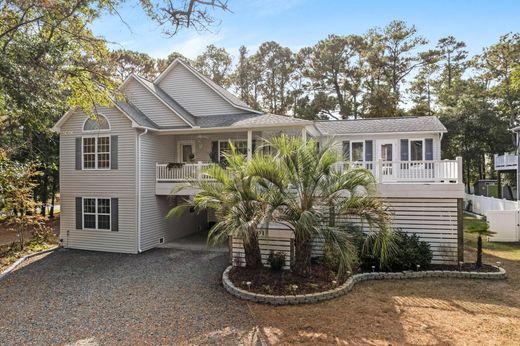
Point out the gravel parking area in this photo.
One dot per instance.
(163, 296)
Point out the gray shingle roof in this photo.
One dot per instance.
(135, 114)
(381, 125)
(249, 119)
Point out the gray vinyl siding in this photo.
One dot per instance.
(154, 226)
(395, 137)
(154, 208)
(194, 95)
(151, 106)
(115, 183)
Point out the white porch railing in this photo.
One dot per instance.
(506, 161)
(431, 171)
(436, 171)
(183, 173)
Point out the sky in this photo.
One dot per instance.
(300, 23)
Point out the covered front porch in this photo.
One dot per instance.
(193, 152)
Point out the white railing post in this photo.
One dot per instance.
(460, 172)
(379, 171)
(199, 170)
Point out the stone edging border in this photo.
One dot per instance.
(19, 261)
(351, 281)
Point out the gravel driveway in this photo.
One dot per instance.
(163, 296)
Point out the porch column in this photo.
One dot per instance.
(249, 144)
(304, 135)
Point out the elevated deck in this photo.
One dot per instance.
(429, 178)
(506, 162)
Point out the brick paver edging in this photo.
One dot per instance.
(19, 261)
(347, 285)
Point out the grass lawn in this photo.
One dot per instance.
(418, 312)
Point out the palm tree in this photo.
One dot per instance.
(238, 201)
(482, 229)
(305, 183)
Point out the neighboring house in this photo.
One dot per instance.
(117, 172)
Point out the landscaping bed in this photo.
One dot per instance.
(283, 282)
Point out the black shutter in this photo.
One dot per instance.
(114, 214)
(428, 152)
(79, 213)
(253, 146)
(214, 152)
(368, 151)
(404, 150)
(113, 152)
(346, 150)
(78, 153)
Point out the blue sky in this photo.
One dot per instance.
(299, 23)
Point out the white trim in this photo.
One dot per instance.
(179, 148)
(363, 154)
(410, 140)
(96, 153)
(160, 99)
(98, 130)
(381, 142)
(139, 190)
(96, 214)
(227, 129)
(228, 140)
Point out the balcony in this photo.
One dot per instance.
(506, 162)
(434, 172)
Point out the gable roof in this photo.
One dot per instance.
(155, 90)
(163, 96)
(381, 125)
(222, 92)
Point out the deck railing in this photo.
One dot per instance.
(428, 171)
(385, 172)
(506, 161)
(181, 173)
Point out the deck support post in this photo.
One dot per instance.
(249, 144)
(499, 185)
(460, 229)
(304, 135)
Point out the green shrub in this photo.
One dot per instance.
(412, 252)
(276, 260)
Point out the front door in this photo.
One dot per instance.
(186, 152)
(386, 153)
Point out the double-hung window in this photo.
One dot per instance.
(357, 152)
(240, 146)
(96, 213)
(416, 149)
(96, 152)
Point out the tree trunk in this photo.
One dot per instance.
(53, 198)
(479, 252)
(45, 194)
(302, 255)
(252, 252)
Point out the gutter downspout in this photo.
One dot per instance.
(139, 190)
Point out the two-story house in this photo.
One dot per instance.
(118, 171)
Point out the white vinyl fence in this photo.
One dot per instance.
(502, 215)
(482, 204)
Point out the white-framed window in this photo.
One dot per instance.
(96, 213)
(99, 123)
(223, 146)
(357, 151)
(416, 149)
(96, 152)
